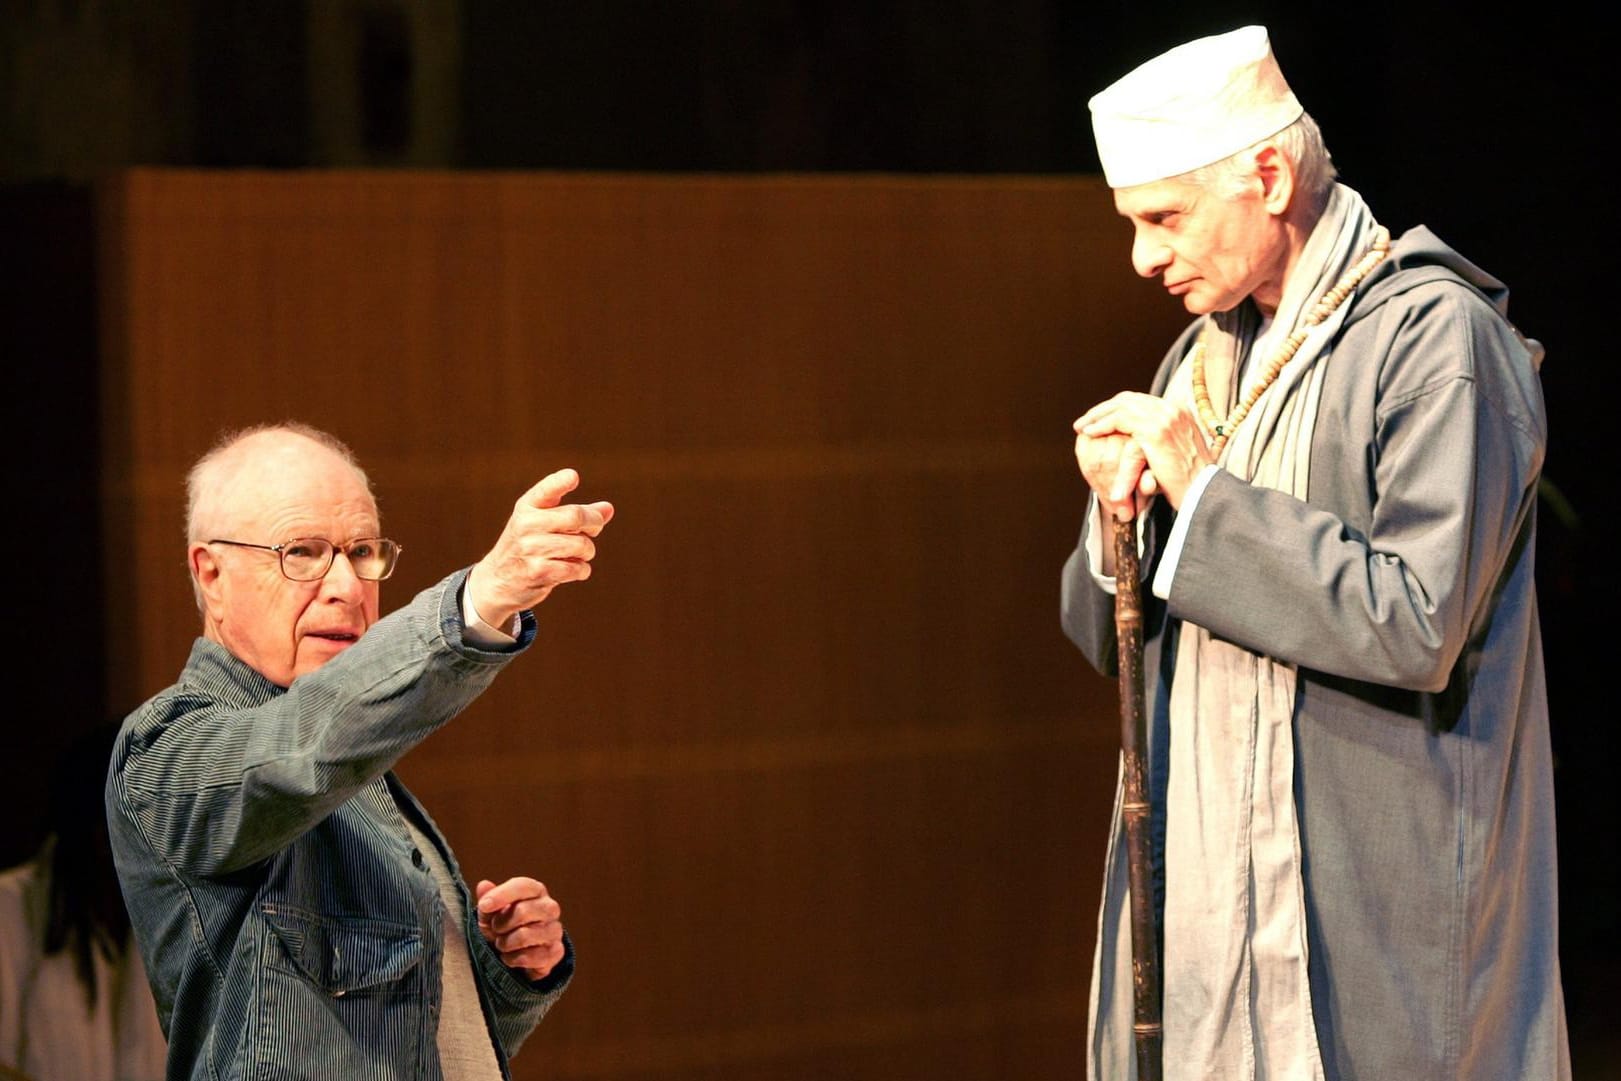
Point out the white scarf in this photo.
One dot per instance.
(1237, 1001)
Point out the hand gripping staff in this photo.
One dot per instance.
(1128, 625)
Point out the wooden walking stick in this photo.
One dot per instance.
(1128, 625)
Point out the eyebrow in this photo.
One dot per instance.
(1151, 214)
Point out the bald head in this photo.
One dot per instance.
(222, 485)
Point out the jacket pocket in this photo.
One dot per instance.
(341, 955)
(337, 997)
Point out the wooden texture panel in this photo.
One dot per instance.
(820, 784)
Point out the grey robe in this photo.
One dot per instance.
(1403, 590)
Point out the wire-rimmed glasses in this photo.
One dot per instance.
(307, 559)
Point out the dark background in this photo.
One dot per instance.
(1488, 129)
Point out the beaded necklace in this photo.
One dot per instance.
(1222, 430)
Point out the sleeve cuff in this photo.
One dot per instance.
(1179, 530)
(479, 633)
(1095, 541)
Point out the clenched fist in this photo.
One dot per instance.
(523, 922)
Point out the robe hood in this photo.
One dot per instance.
(1419, 257)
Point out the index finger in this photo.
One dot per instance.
(584, 518)
(1104, 412)
(510, 893)
(1124, 413)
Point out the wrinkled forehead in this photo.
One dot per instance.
(1158, 198)
(294, 488)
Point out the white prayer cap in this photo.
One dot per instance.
(1194, 105)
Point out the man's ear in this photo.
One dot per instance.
(1277, 176)
(208, 574)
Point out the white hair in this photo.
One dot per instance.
(1300, 142)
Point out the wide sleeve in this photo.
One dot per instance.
(1456, 449)
(225, 770)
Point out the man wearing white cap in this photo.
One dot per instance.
(1335, 482)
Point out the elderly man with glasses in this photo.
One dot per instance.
(299, 914)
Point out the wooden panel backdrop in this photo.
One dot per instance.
(810, 765)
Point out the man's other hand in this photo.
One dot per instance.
(524, 924)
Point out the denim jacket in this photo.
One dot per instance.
(290, 927)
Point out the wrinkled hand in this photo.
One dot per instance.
(545, 543)
(1158, 436)
(524, 924)
(1108, 458)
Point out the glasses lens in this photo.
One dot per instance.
(373, 558)
(306, 559)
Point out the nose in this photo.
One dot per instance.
(1149, 256)
(341, 583)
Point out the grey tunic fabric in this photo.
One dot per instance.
(290, 925)
(1403, 590)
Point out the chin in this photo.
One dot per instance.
(1208, 306)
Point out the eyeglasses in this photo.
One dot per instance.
(307, 559)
